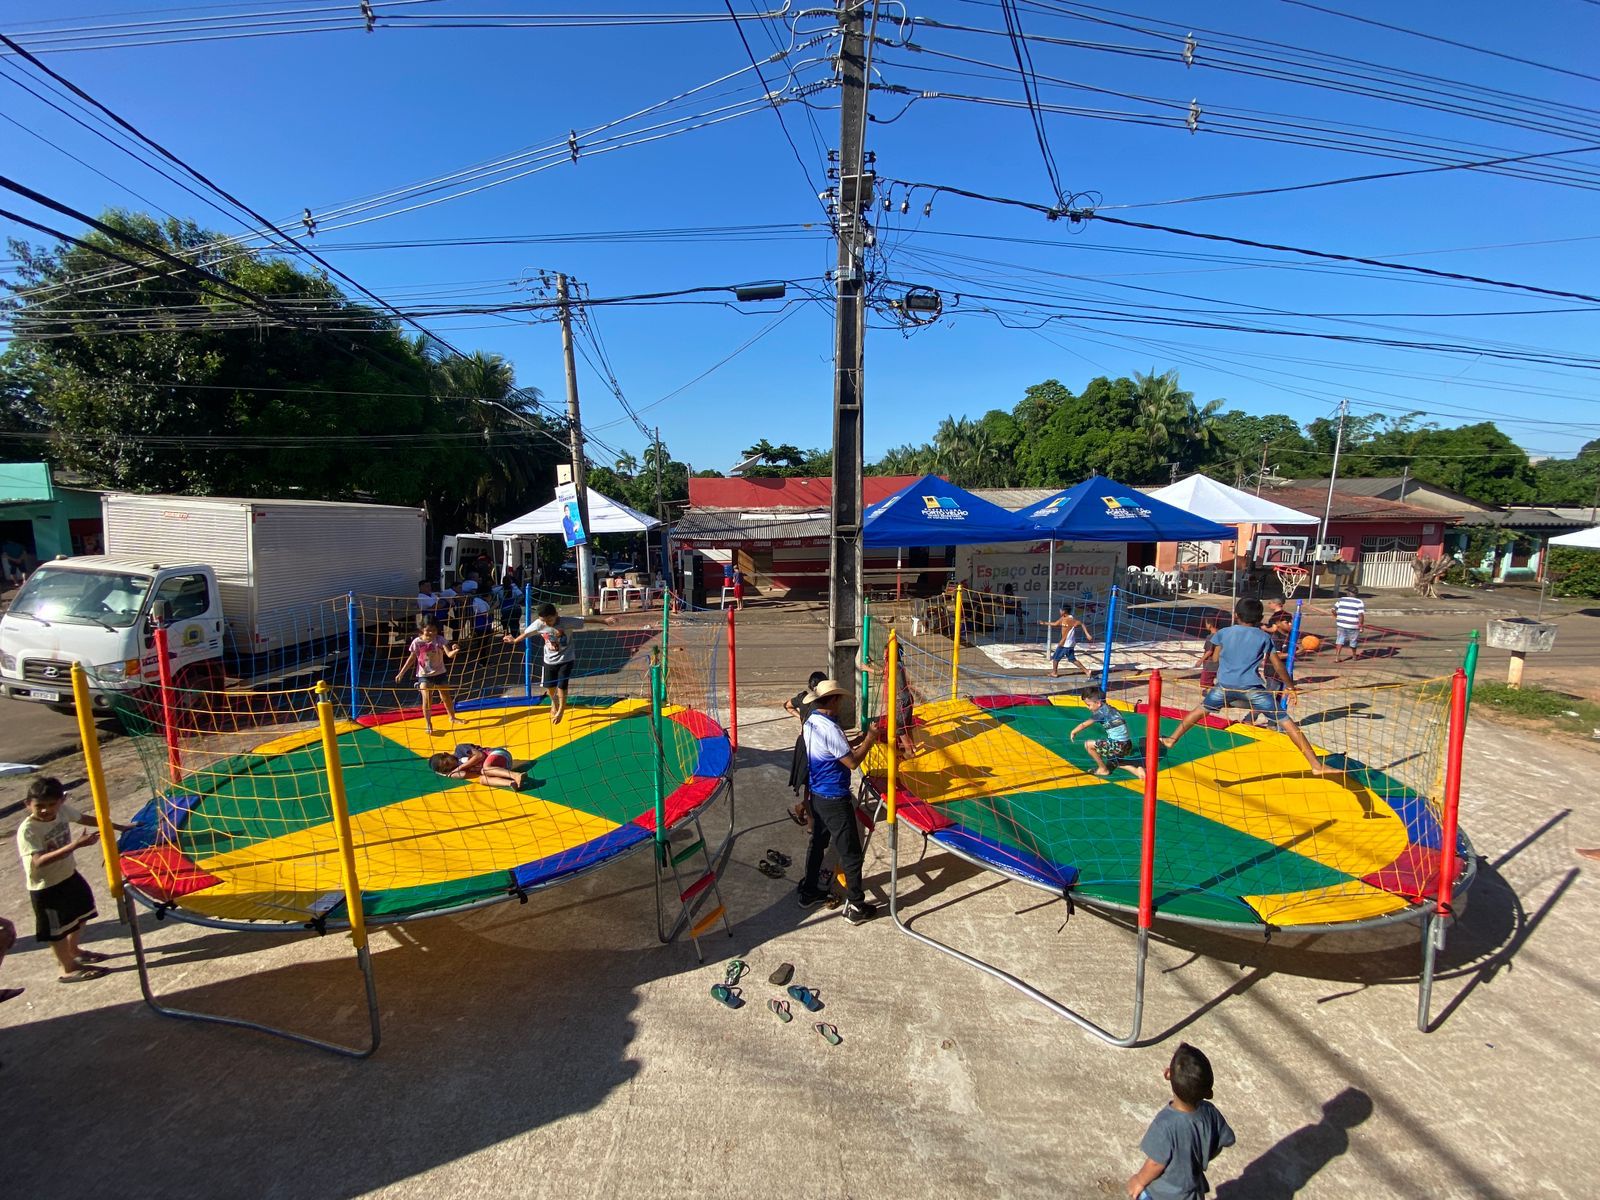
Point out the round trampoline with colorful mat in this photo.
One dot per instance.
(1232, 827)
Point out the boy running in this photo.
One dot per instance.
(1073, 631)
(1116, 748)
(429, 653)
(1244, 654)
(1349, 619)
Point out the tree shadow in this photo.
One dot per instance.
(1290, 1164)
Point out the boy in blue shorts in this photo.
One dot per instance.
(1073, 631)
(1244, 655)
(1116, 748)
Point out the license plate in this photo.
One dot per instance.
(39, 694)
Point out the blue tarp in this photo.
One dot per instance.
(1103, 510)
(933, 512)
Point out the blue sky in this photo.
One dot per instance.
(322, 119)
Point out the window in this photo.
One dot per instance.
(186, 597)
(1391, 543)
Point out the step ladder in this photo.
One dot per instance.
(692, 897)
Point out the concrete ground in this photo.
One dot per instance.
(555, 1049)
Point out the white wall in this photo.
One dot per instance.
(1078, 565)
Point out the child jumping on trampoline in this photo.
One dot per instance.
(492, 766)
(905, 703)
(560, 654)
(429, 653)
(1185, 1136)
(1073, 631)
(1244, 654)
(1116, 748)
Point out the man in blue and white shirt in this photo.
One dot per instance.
(829, 760)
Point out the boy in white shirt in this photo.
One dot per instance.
(62, 901)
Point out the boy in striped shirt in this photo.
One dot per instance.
(1349, 617)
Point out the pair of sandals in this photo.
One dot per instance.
(774, 864)
(728, 993)
(85, 968)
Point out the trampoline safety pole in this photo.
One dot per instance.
(1147, 839)
(864, 713)
(1294, 636)
(527, 646)
(660, 781)
(1469, 664)
(97, 778)
(355, 660)
(1433, 929)
(891, 673)
(733, 684)
(1105, 654)
(955, 657)
(169, 708)
(339, 804)
(1050, 602)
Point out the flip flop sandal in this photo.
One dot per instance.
(725, 995)
(782, 975)
(830, 1033)
(806, 997)
(799, 815)
(83, 975)
(778, 859)
(89, 956)
(780, 1009)
(735, 971)
(770, 869)
(9, 994)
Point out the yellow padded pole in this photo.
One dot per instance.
(341, 817)
(891, 670)
(955, 657)
(97, 778)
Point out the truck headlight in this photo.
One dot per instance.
(8, 662)
(118, 670)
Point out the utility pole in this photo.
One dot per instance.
(855, 196)
(1263, 474)
(580, 475)
(1327, 511)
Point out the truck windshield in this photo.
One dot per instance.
(82, 597)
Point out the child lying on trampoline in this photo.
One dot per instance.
(491, 766)
(1116, 748)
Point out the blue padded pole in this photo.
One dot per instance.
(527, 646)
(1294, 635)
(355, 664)
(1105, 662)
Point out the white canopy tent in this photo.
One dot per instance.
(1583, 539)
(605, 516)
(1205, 497)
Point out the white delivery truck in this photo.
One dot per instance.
(237, 582)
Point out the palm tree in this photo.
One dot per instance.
(1170, 421)
(627, 464)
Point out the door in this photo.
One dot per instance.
(194, 622)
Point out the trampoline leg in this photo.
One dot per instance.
(130, 912)
(1432, 942)
(1027, 989)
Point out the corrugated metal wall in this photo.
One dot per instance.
(305, 555)
(174, 530)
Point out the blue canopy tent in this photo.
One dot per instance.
(934, 512)
(1103, 510)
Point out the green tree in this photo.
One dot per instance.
(1476, 460)
(1569, 480)
(153, 379)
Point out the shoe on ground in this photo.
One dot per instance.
(859, 913)
(810, 897)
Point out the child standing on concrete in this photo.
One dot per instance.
(1349, 619)
(1185, 1135)
(62, 901)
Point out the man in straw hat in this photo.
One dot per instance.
(830, 759)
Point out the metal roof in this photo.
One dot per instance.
(729, 525)
(1531, 517)
(1389, 487)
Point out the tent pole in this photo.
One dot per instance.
(1050, 596)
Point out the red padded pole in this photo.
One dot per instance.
(1152, 764)
(733, 683)
(1452, 789)
(169, 717)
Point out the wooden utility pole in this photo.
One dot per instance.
(1327, 511)
(580, 475)
(855, 196)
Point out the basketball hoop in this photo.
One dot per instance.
(1291, 579)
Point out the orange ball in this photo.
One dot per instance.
(1310, 644)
